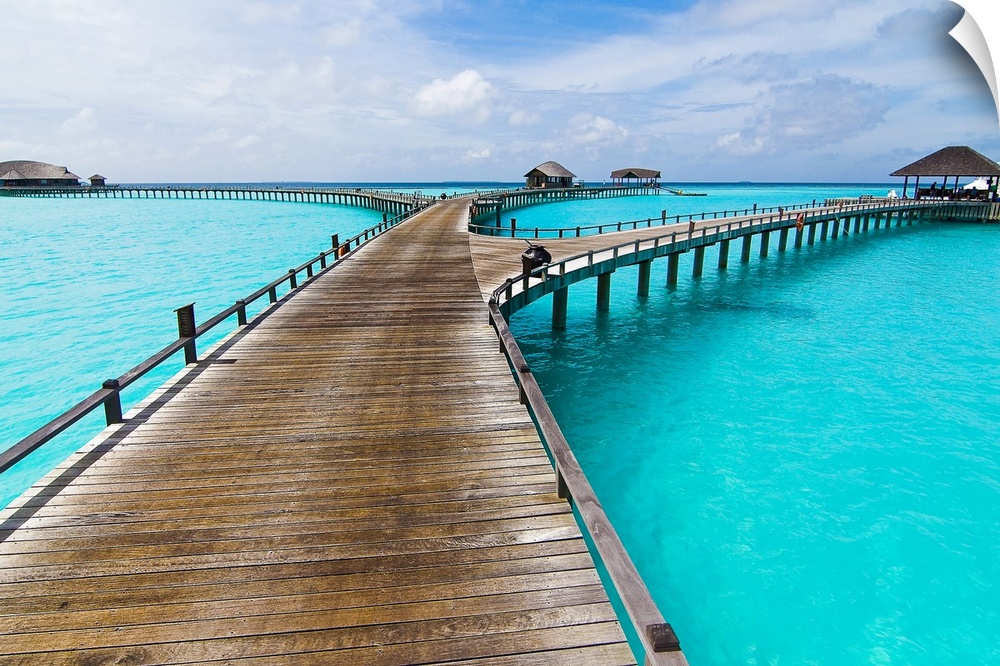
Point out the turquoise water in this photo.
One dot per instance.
(802, 454)
(727, 197)
(90, 286)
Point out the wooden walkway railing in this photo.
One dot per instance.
(577, 259)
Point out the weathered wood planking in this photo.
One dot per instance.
(351, 480)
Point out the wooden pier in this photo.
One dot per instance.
(350, 479)
(597, 256)
(356, 475)
(495, 204)
(385, 201)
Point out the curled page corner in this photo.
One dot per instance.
(972, 38)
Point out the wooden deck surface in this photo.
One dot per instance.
(348, 481)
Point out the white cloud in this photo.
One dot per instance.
(477, 155)
(585, 128)
(466, 93)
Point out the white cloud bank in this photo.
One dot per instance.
(466, 93)
(379, 90)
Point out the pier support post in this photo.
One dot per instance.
(747, 243)
(699, 262)
(857, 223)
(783, 239)
(673, 261)
(645, 269)
(560, 297)
(798, 236)
(823, 229)
(113, 403)
(186, 329)
(836, 229)
(604, 292)
(812, 234)
(723, 254)
(765, 239)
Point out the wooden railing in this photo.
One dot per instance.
(519, 291)
(109, 395)
(659, 642)
(576, 232)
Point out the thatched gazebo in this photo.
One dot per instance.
(951, 162)
(648, 177)
(549, 174)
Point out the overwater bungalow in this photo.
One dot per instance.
(951, 162)
(646, 177)
(24, 173)
(549, 175)
(97, 180)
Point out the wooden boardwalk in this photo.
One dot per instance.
(350, 480)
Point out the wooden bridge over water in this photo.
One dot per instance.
(385, 201)
(354, 476)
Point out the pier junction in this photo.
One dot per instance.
(366, 472)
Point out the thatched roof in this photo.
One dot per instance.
(551, 169)
(27, 170)
(951, 161)
(635, 173)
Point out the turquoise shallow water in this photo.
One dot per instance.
(90, 286)
(801, 454)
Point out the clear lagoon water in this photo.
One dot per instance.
(801, 454)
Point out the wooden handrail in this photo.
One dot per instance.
(611, 227)
(659, 642)
(109, 394)
(706, 235)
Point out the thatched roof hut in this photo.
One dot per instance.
(24, 173)
(951, 162)
(549, 174)
(641, 176)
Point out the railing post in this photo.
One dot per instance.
(292, 279)
(186, 329)
(113, 403)
(241, 312)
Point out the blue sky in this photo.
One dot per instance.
(380, 90)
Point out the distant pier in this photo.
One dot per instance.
(494, 204)
(393, 203)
